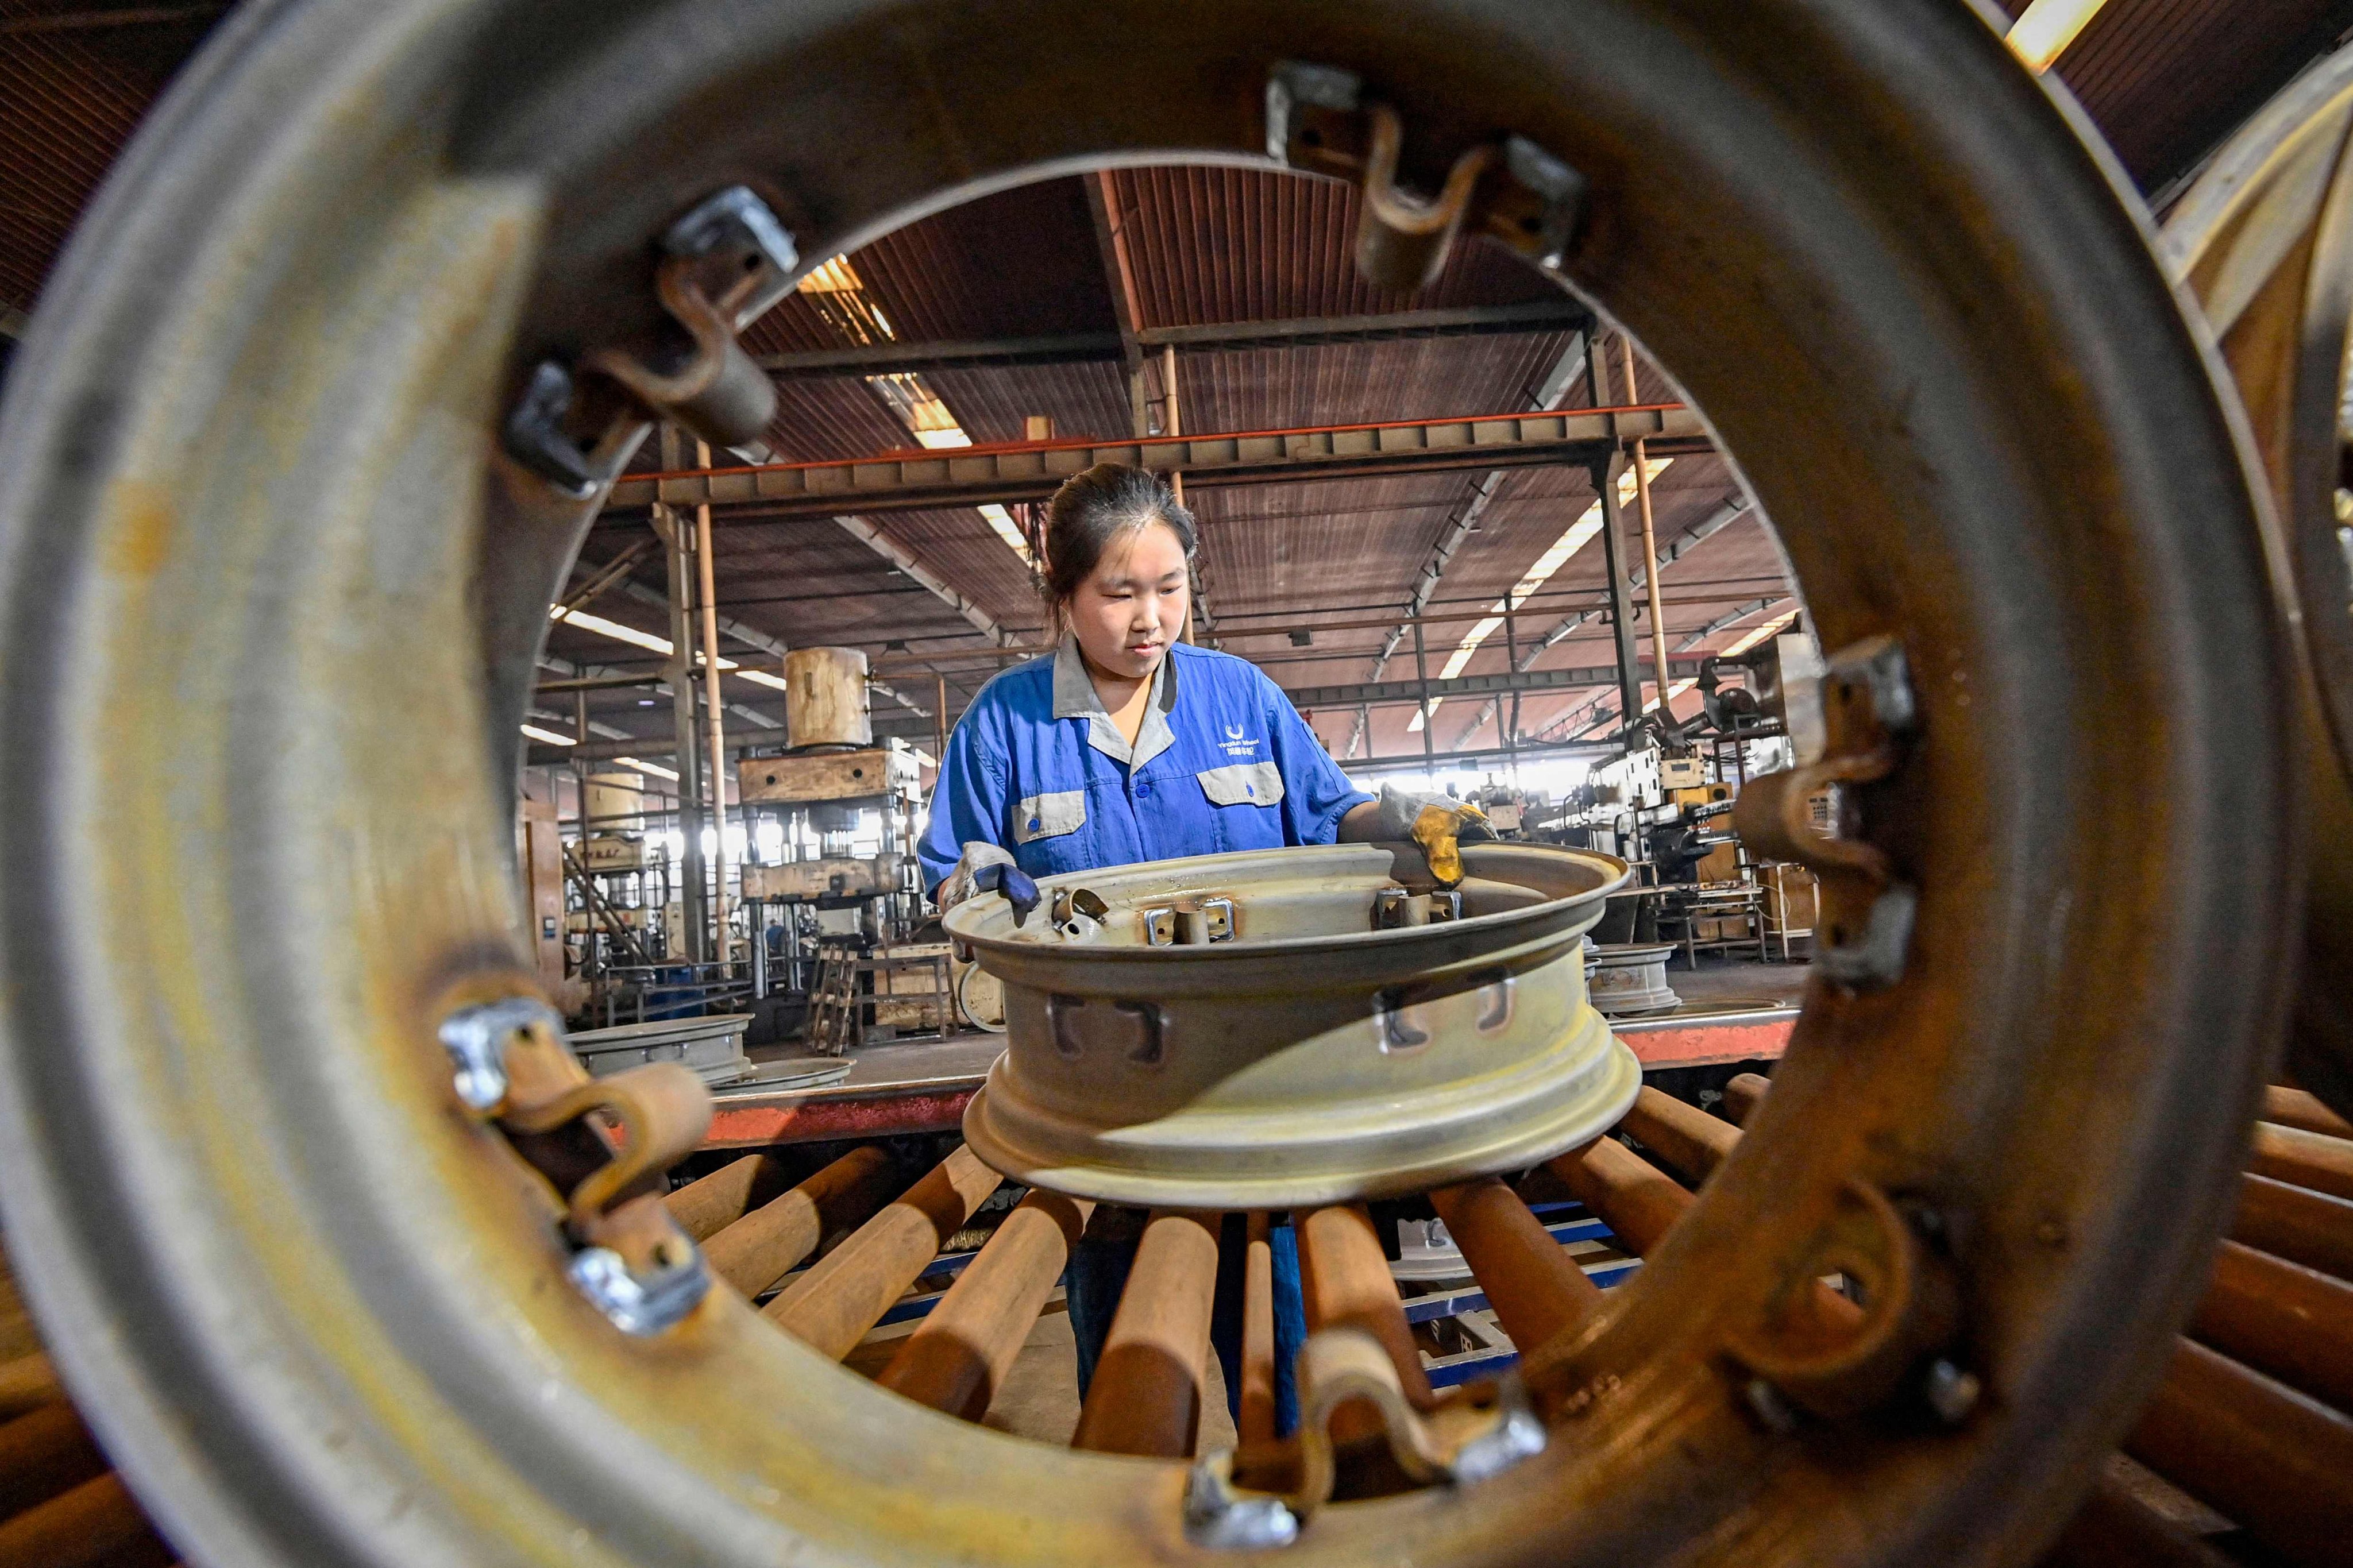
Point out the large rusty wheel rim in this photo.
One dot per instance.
(254, 559)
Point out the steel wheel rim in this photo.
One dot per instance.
(331, 1383)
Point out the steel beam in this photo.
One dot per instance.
(1465, 521)
(1032, 471)
(694, 890)
(914, 566)
(1110, 238)
(1384, 692)
(896, 358)
(1540, 315)
(1081, 348)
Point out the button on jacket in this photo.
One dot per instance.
(1223, 761)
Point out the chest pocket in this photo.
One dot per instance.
(1243, 783)
(1049, 815)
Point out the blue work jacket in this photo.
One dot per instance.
(1223, 761)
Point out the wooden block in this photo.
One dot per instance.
(825, 775)
(841, 877)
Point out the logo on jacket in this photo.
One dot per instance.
(1235, 746)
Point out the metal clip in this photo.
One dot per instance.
(631, 1260)
(647, 1302)
(1319, 119)
(1559, 193)
(1478, 1433)
(534, 436)
(1868, 708)
(1218, 916)
(1395, 908)
(724, 263)
(1295, 91)
(476, 1039)
(1223, 1517)
(1160, 927)
(744, 254)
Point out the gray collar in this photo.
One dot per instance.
(1075, 698)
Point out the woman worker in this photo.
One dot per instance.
(1127, 745)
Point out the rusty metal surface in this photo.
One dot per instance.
(1297, 1055)
(833, 1304)
(1149, 1382)
(756, 1250)
(958, 1360)
(2296, 1223)
(2279, 1462)
(227, 1140)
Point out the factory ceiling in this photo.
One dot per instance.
(1073, 300)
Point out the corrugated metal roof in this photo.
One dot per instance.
(1083, 400)
(1205, 246)
(1018, 263)
(1217, 244)
(819, 420)
(1346, 383)
(70, 110)
(2166, 79)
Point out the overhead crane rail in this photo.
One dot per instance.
(971, 476)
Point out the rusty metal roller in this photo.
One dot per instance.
(309, 429)
(1241, 1030)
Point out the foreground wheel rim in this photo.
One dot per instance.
(259, 547)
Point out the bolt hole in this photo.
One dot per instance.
(1312, 138)
(1530, 225)
(1838, 936)
(751, 264)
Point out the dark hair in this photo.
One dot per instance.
(1095, 510)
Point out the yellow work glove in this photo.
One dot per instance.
(1439, 823)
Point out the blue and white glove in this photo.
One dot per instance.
(989, 869)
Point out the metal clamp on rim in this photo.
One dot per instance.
(511, 1066)
(723, 264)
(1318, 118)
(1189, 924)
(1869, 710)
(1482, 1430)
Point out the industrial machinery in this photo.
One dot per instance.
(312, 1208)
(843, 896)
